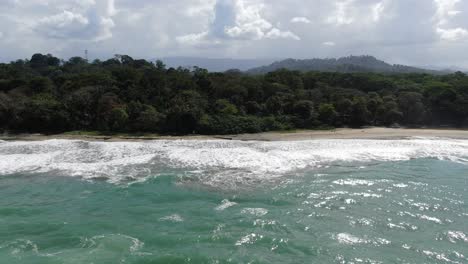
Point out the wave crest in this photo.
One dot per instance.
(216, 161)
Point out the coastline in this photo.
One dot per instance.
(341, 133)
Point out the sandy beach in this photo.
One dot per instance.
(367, 133)
(343, 133)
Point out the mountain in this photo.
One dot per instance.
(346, 64)
(448, 69)
(215, 65)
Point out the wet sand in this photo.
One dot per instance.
(344, 133)
(368, 133)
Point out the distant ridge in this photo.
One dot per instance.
(351, 64)
(215, 64)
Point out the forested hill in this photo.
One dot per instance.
(349, 64)
(215, 65)
(122, 94)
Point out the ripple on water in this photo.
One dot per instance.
(342, 260)
(348, 239)
(225, 204)
(255, 211)
(248, 239)
(423, 217)
(112, 241)
(450, 256)
(369, 217)
(367, 195)
(354, 182)
(430, 218)
(402, 226)
(457, 236)
(20, 246)
(361, 222)
(172, 218)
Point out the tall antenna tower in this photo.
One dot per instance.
(86, 55)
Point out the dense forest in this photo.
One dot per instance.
(122, 94)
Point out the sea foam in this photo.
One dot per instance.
(219, 161)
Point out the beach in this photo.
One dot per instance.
(297, 135)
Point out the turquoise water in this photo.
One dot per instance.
(324, 201)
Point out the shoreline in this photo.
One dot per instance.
(341, 133)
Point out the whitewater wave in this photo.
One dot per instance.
(216, 161)
(348, 239)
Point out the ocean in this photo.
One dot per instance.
(214, 201)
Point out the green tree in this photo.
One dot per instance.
(5, 111)
(44, 114)
(118, 119)
(224, 107)
(110, 112)
(149, 120)
(327, 114)
(388, 114)
(185, 112)
(360, 115)
(412, 108)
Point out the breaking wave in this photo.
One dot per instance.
(215, 161)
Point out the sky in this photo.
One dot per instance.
(412, 32)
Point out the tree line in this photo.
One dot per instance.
(48, 95)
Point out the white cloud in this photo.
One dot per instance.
(341, 16)
(300, 20)
(85, 3)
(70, 25)
(200, 9)
(79, 20)
(62, 24)
(329, 43)
(105, 26)
(111, 10)
(401, 31)
(446, 10)
(248, 23)
(278, 34)
(193, 39)
(199, 40)
(452, 34)
(377, 11)
(238, 20)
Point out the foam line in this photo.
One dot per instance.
(217, 160)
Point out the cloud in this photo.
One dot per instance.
(446, 11)
(452, 34)
(329, 43)
(378, 10)
(278, 34)
(193, 39)
(202, 39)
(300, 20)
(82, 21)
(414, 32)
(111, 10)
(237, 20)
(62, 25)
(341, 16)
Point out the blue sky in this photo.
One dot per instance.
(414, 32)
